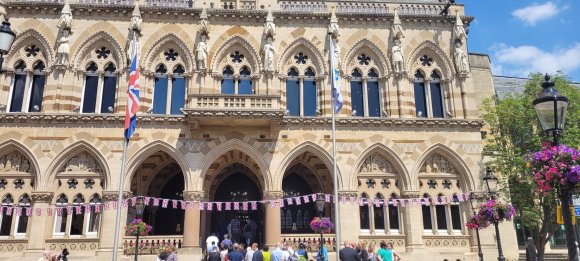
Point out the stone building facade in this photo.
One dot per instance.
(235, 103)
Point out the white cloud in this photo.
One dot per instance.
(537, 12)
(522, 60)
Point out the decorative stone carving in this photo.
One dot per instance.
(14, 162)
(193, 195)
(269, 27)
(375, 163)
(269, 195)
(396, 28)
(136, 19)
(438, 164)
(134, 32)
(459, 31)
(62, 52)
(201, 53)
(203, 22)
(66, 17)
(45, 197)
(333, 27)
(398, 59)
(82, 163)
(461, 61)
(269, 55)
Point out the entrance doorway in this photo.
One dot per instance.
(238, 186)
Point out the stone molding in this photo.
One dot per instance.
(112, 195)
(269, 195)
(73, 118)
(193, 195)
(42, 197)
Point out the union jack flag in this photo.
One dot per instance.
(132, 95)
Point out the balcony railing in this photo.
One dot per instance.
(312, 241)
(420, 9)
(151, 245)
(106, 2)
(362, 8)
(234, 102)
(171, 3)
(303, 6)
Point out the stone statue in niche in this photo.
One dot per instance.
(14, 162)
(82, 162)
(398, 59)
(269, 55)
(461, 61)
(201, 51)
(62, 52)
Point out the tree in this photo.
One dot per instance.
(514, 132)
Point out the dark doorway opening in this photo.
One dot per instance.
(166, 221)
(296, 218)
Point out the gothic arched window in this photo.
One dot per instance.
(393, 215)
(293, 93)
(426, 212)
(109, 89)
(177, 90)
(77, 219)
(6, 216)
(91, 88)
(22, 220)
(373, 94)
(37, 91)
(356, 93)
(310, 92)
(436, 95)
(420, 97)
(94, 216)
(61, 216)
(160, 90)
(228, 85)
(364, 211)
(379, 212)
(18, 86)
(245, 83)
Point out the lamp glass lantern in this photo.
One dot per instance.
(139, 206)
(491, 181)
(475, 201)
(320, 203)
(551, 107)
(6, 37)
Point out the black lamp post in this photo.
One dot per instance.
(320, 203)
(551, 109)
(140, 207)
(6, 40)
(474, 200)
(491, 183)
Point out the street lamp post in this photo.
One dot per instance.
(140, 207)
(320, 203)
(551, 109)
(491, 183)
(474, 200)
(7, 37)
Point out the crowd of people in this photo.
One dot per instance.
(49, 256)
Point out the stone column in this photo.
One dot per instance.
(348, 218)
(191, 223)
(41, 224)
(273, 227)
(413, 224)
(107, 229)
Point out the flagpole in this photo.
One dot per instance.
(120, 201)
(334, 171)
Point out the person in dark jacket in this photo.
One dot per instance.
(214, 255)
(348, 253)
(258, 256)
(361, 249)
(531, 251)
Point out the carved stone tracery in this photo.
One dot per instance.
(82, 162)
(14, 162)
(376, 163)
(437, 164)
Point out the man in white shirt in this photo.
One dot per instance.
(250, 252)
(210, 242)
(287, 251)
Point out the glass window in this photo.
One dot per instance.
(393, 215)
(245, 84)
(455, 214)
(160, 91)
(373, 92)
(22, 223)
(37, 91)
(18, 87)
(177, 90)
(94, 217)
(310, 93)
(356, 93)
(436, 96)
(364, 213)
(379, 213)
(60, 221)
(77, 221)
(228, 86)
(109, 89)
(426, 211)
(293, 93)
(6, 217)
(90, 91)
(440, 214)
(420, 98)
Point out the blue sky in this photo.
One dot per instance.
(523, 36)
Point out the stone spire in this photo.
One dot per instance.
(136, 11)
(136, 18)
(203, 22)
(458, 30)
(333, 27)
(397, 29)
(269, 27)
(66, 17)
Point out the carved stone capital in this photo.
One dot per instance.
(113, 195)
(347, 194)
(268, 195)
(410, 194)
(42, 196)
(193, 195)
(282, 77)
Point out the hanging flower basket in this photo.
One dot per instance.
(554, 167)
(323, 225)
(490, 212)
(138, 226)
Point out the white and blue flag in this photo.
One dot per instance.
(335, 78)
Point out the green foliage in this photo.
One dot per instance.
(515, 131)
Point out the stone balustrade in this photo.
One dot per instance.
(151, 245)
(311, 241)
(362, 8)
(303, 6)
(106, 2)
(420, 9)
(171, 3)
(234, 102)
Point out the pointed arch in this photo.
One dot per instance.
(236, 144)
(219, 56)
(146, 151)
(69, 152)
(168, 41)
(391, 156)
(367, 47)
(463, 171)
(15, 145)
(316, 150)
(90, 42)
(27, 38)
(285, 60)
(440, 58)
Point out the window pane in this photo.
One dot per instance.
(76, 227)
(293, 97)
(455, 217)
(310, 98)
(393, 217)
(22, 223)
(427, 217)
(60, 222)
(228, 86)
(436, 100)
(245, 86)
(109, 90)
(356, 93)
(441, 219)
(177, 95)
(37, 92)
(94, 220)
(6, 223)
(420, 102)
(90, 97)
(364, 216)
(160, 95)
(17, 93)
(374, 99)
(379, 215)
